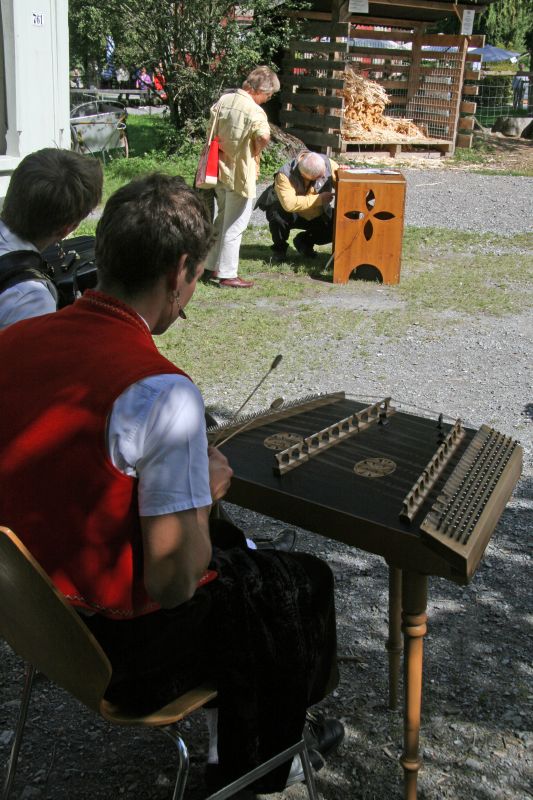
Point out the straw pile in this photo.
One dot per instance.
(364, 114)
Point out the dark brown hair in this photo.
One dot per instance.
(146, 227)
(50, 190)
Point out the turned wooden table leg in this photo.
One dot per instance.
(394, 642)
(414, 618)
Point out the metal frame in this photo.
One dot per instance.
(300, 748)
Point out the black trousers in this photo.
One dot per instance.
(263, 633)
(317, 231)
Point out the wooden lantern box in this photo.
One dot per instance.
(368, 230)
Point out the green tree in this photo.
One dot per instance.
(89, 23)
(202, 47)
(507, 23)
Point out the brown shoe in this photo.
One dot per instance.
(235, 283)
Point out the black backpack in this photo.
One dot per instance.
(25, 265)
(72, 266)
(67, 269)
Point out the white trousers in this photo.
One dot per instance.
(234, 212)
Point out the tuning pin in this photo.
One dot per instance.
(440, 428)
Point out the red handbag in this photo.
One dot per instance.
(207, 172)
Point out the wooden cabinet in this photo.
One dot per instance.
(368, 230)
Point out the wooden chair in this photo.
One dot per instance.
(42, 628)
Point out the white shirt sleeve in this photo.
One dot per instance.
(24, 300)
(157, 433)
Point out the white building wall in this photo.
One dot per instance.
(36, 74)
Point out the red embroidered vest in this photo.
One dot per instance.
(59, 491)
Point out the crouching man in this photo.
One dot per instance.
(301, 198)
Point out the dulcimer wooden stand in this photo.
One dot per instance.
(424, 494)
(368, 229)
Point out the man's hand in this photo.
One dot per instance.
(326, 198)
(220, 473)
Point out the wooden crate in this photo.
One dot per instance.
(369, 218)
(427, 83)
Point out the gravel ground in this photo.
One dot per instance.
(476, 738)
(467, 201)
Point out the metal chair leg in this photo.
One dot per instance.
(183, 761)
(245, 780)
(14, 756)
(309, 774)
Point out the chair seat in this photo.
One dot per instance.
(172, 712)
(39, 624)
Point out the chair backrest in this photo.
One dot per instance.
(41, 626)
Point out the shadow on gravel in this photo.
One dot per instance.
(524, 488)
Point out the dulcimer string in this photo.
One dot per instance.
(272, 367)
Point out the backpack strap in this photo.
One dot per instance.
(25, 265)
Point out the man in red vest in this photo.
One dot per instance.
(108, 479)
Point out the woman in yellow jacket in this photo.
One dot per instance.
(243, 131)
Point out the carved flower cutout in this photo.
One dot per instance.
(369, 214)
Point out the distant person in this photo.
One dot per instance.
(301, 198)
(123, 77)
(75, 79)
(160, 83)
(243, 130)
(520, 86)
(49, 194)
(107, 75)
(144, 79)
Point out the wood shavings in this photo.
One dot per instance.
(364, 114)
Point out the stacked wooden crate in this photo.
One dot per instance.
(424, 76)
(312, 83)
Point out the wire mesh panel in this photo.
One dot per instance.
(434, 90)
(503, 95)
(415, 96)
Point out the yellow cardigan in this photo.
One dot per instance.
(307, 205)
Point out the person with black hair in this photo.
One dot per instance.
(173, 597)
(49, 194)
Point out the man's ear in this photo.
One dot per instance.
(176, 275)
(66, 230)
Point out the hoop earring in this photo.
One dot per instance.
(174, 297)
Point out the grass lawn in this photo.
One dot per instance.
(446, 276)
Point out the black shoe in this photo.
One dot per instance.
(279, 254)
(209, 276)
(303, 245)
(324, 734)
(284, 541)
